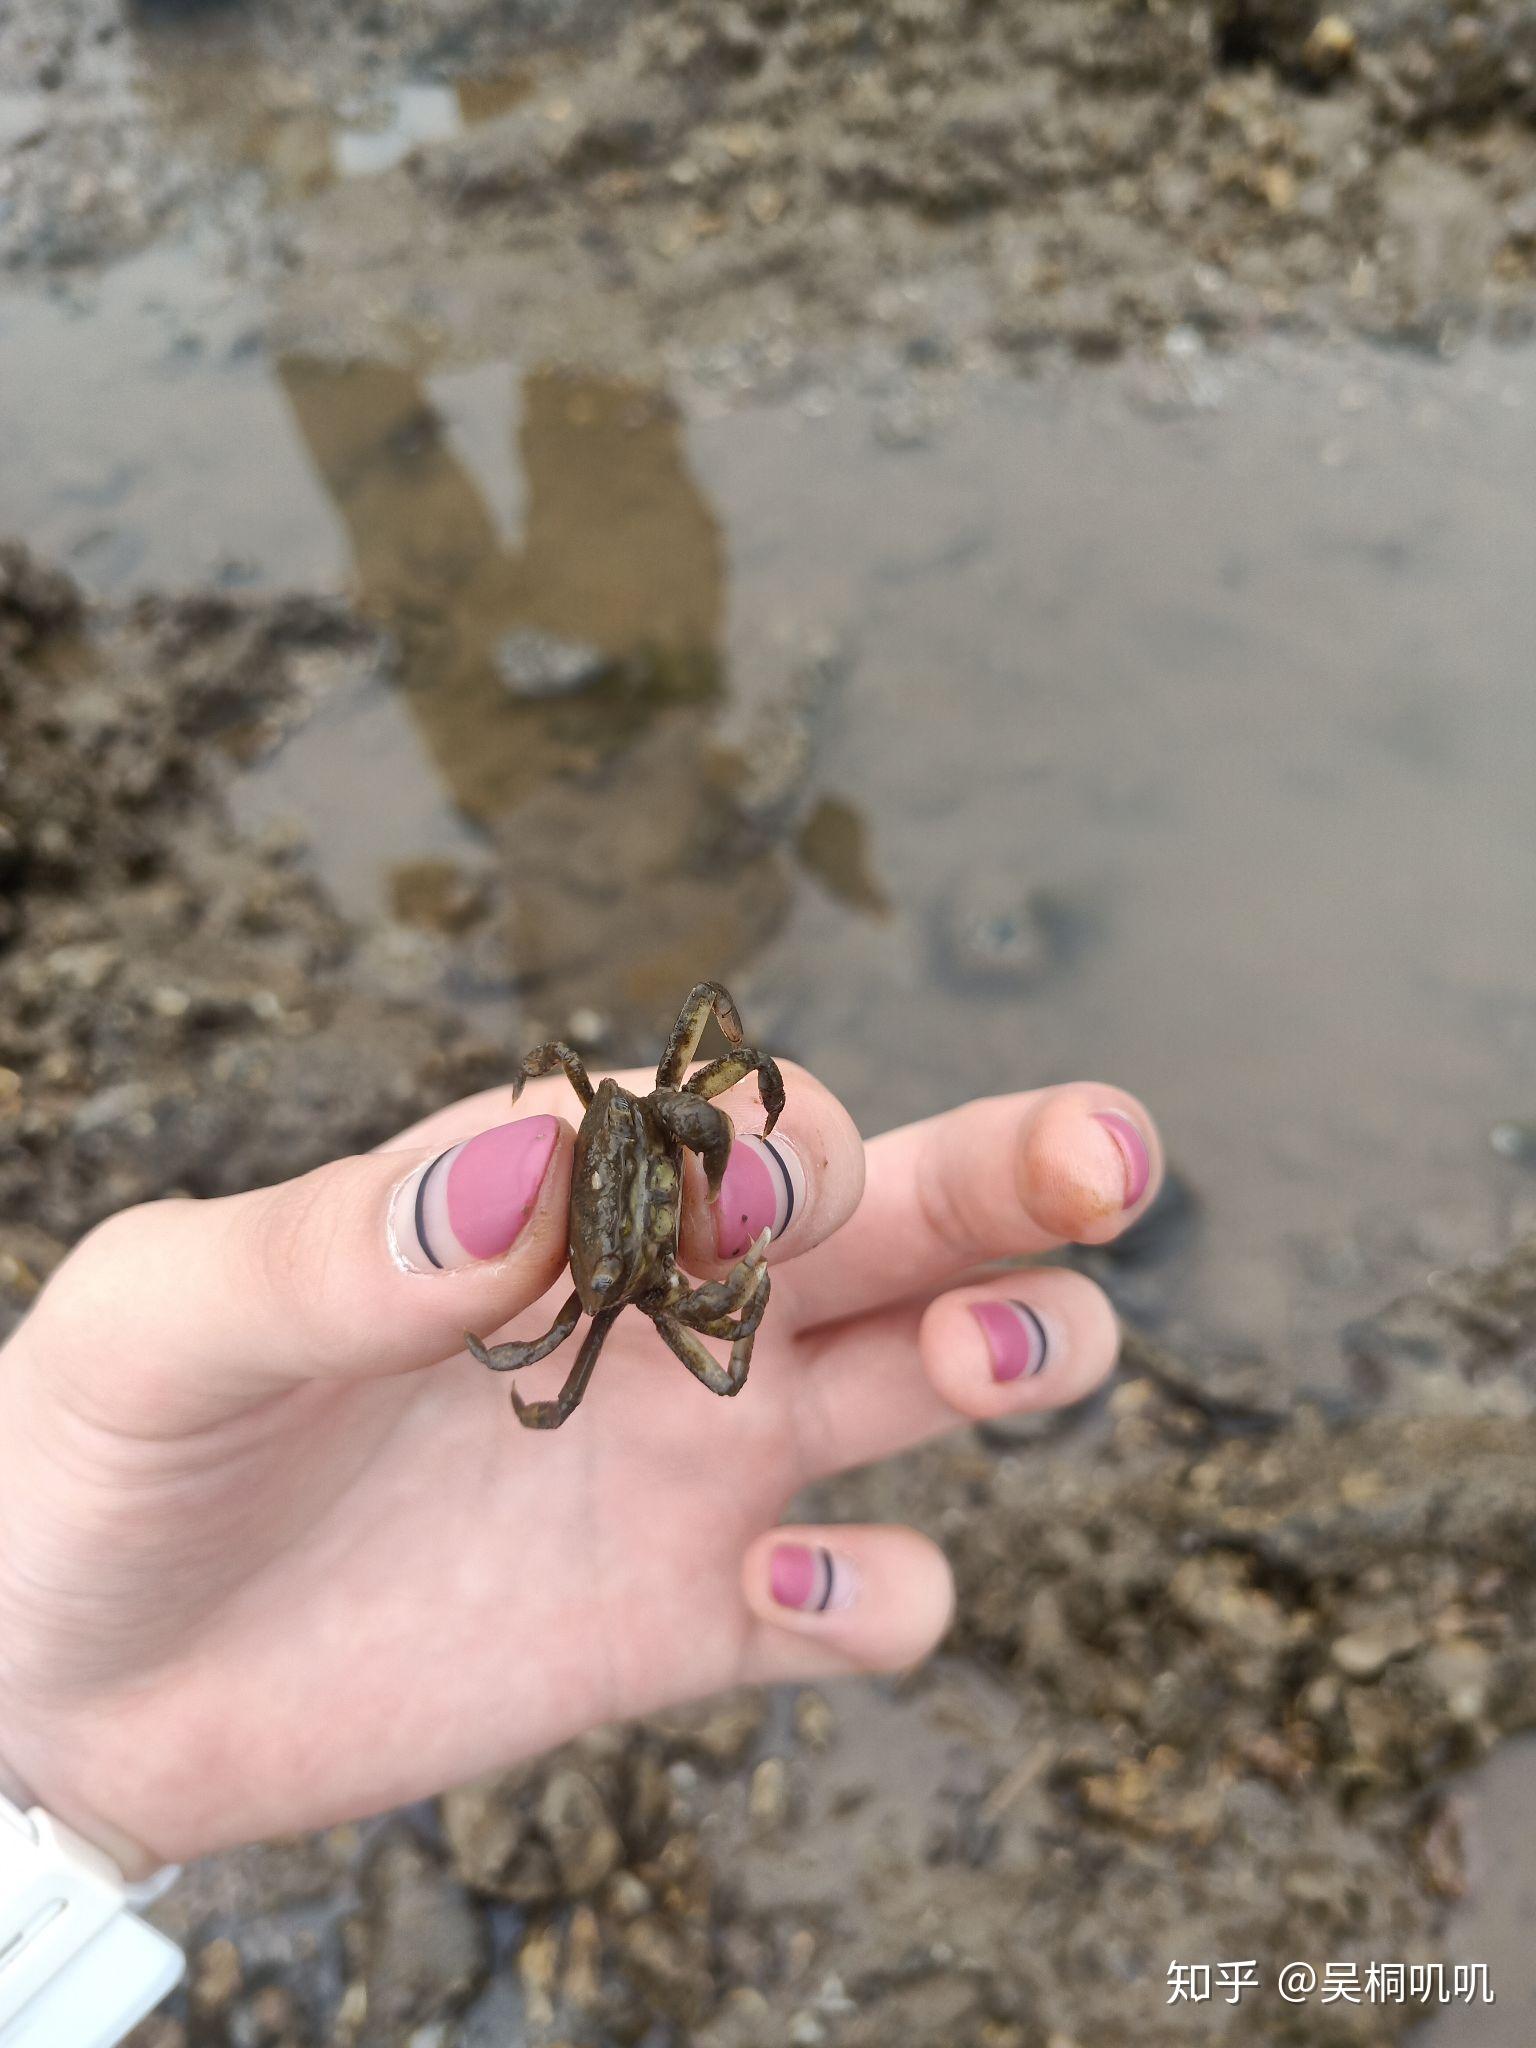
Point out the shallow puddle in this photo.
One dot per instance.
(1173, 726)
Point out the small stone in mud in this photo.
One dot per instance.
(1367, 1653)
(585, 1843)
(815, 1723)
(673, 1969)
(1329, 47)
(768, 1797)
(216, 1976)
(534, 664)
(587, 1029)
(426, 1949)
(581, 1984)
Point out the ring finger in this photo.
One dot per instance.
(1029, 1340)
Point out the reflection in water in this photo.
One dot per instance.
(627, 867)
(628, 864)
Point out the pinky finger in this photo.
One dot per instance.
(1040, 1339)
(831, 1600)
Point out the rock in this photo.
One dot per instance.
(486, 1829)
(672, 1966)
(718, 1731)
(425, 1948)
(537, 665)
(585, 1844)
(216, 1977)
(580, 1986)
(768, 1796)
(588, 1029)
(1367, 1652)
(1458, 1676)
(1329, 47)
(815, 1723)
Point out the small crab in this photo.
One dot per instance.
(626, 1205)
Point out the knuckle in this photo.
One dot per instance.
(942, 1198)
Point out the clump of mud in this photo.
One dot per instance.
(179, 1010)
(1081, 177)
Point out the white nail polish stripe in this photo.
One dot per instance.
(1034, 1330)
(787, 1175)
(420, 1236)
(837, 1586)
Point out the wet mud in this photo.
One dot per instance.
(1074, 178)
(526, 507)
(1222, 1713)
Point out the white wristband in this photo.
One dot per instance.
(78, 1969)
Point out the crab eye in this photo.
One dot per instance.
(605, 1273)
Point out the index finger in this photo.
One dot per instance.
(1005, 1177)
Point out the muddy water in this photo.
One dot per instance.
(1171, 724)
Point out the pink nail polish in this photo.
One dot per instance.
(1015, 1338)
(471, 1202)
(1133, 1150)
(810, 1579)
(763, 1189)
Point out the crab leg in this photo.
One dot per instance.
(704, 997)
(545, 1060)
(720, 1379)
(508, 1357)
(725, 1073)
(695, 1315)
(550, 1414)
(716, 1299)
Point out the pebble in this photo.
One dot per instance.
(815, 1723)
(1368, 1652)
(586, 1845)
(426, 1948)
(588, 1029)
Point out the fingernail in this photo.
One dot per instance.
(1015, 1337)
(809, 1578)
(1133, 1150)
(763, 1189)
(470, 1203)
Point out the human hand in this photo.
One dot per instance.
(274, 1551)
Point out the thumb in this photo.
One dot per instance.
(171, 1316)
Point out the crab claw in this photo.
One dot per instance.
(756, 1253)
